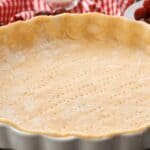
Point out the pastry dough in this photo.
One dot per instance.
(75, 75)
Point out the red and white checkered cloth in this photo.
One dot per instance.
(13, 10)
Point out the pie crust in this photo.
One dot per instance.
(85, 75)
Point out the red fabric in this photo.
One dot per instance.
(13, 10)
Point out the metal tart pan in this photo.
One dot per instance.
(11, 138)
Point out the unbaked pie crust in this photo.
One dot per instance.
(75, 75)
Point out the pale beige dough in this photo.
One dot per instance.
(80, 85)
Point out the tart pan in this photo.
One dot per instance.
(11, 138)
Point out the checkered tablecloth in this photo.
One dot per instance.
(13, 10)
